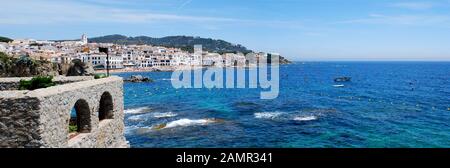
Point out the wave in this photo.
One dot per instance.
(140, 110)
(137, 118)
(185, 123)
(165, 79)
(142, 117)
(305, 118)
(164, 115)
(268, 115)
(284, 116)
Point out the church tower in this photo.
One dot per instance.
(84, 39)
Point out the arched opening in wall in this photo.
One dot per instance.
(106, 108)
(80, 118)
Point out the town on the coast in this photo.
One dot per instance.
(136, 57)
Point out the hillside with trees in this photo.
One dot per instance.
(5, 39)
(184, 42)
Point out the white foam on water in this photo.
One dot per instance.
(268, 115)
(137, 118)
(140, 110)
(338, 86)
(167, 79)
(138, 130)
(185, 123)
(142, 117)
(164, 115)
(305, 118)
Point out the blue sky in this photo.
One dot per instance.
(298, 29)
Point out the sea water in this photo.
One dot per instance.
(386, 104)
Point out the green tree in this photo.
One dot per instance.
(5, 39)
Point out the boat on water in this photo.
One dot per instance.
(342, 79)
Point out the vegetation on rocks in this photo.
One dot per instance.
(5, 62)
(73, 128)
(100, 76)
(37, 83)
(25, 66)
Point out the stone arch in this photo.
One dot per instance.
(106, 107)
(82, 118)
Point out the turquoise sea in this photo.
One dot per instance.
(387, 104)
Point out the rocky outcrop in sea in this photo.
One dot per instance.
(138, 79)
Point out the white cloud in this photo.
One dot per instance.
(48, 12)
(97, 12)
(414, 5)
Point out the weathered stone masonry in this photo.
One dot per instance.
(40, 118)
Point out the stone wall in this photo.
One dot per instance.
(19, 122)
(40, 118)
(13, 83)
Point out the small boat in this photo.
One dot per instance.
(343, 79)
(338, 86)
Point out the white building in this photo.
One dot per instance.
(212, 59)
(182, 59)
(22, 41)
(3, 47)
(231, 59)
(44, 42)
(129, 57)
(62, 59)
(99, 60)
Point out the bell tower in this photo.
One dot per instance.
(84, 39)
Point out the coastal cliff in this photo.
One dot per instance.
(25, 66)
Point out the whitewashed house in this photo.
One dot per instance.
(99, 61)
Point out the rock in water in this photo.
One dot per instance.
(79, 68)
(138, 78)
